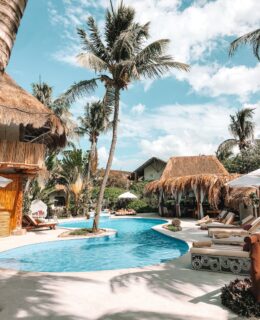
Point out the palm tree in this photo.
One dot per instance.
(242, 129)
(253, 38)
(12, 14)
(122, 58)
(94, 122)
(44, 93)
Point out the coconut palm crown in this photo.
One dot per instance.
(118, 57)
(242, 129)
(252, 38)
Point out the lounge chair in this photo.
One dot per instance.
(123, 212)
(236, 231)
(219, 258)
(207, 219)
(29, 223)
(228, 220)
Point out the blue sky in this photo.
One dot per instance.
(181, 114)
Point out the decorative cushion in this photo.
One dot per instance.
(247, 227)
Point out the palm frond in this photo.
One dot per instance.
(153, 50)
(160, 66)
(79, 89)
(91, 61)
(225, 149)
(252, 38)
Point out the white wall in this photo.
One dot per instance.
(150, 173)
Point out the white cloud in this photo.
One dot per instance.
(215, 80)
(138, 109)
(178, 129)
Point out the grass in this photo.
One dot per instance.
(81, 232)
(172, 228)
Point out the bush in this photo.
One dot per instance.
(138, 206)
(176, 222)
(238, 297)
(173, 228)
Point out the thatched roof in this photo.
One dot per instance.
(187, 173)
(19, 107)
(236, 196)
(193, 165)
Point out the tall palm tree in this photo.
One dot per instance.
(11, 14)
(94, 122)
(253, 38)
(120, 58)
(242, 129)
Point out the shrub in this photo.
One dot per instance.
(176, 222)
(173, 228)
(138, 206)
(238, 297)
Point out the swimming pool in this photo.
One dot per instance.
(134, 245)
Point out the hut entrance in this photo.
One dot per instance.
(11, 205)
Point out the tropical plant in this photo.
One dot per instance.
(94, 122)
(242, 129)
(71, 173)
(44, 93)
(9, 24)
(122, 57)
(252, 38)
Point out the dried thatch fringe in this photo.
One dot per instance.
(236, 196)
(19, 107)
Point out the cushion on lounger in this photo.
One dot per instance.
(247, 227)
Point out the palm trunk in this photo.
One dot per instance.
(90, 172)
(11, 13)
(109, 161)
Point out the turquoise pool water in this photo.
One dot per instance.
(134, 245)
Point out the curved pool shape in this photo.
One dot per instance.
(134, 245)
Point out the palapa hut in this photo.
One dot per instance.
(27, 129)
(204, 176)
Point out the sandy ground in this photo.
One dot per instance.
(166, 292)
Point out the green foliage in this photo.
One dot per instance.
(173, 228)
(81, 232)
(138, 206)
(138, 188)
(238, 297)
(111, 196)
(244, 162)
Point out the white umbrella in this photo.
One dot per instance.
(4, 182)
(251, 179)
(38, 205)
(127, 195)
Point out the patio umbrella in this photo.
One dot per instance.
(4, 182)
(251, 179)
(127, 195)
(38, 206)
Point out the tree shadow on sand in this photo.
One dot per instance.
(176, 278)
(33, 296)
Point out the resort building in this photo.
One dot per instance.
(27, 130)
(151, 170)
(189, 182)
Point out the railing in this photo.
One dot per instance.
(16, 154)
